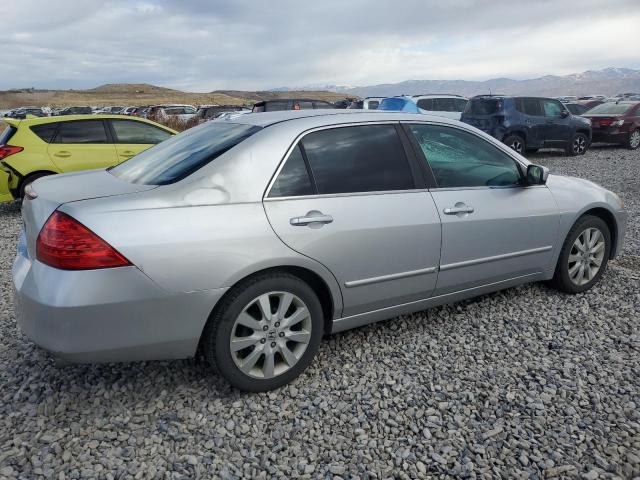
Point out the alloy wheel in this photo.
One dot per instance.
(634, 141)
(579, 144)
(270, 335)
(586, 256)
(516, 145)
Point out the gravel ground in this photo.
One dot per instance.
(526, 383)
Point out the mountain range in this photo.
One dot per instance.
(608, 81)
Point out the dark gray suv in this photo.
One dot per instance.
(529, 123)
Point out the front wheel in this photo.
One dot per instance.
(584, 255)
(633, 141)
(265, 333)
(578, 145)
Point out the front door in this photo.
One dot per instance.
(347, 198)
(82, 145)
(557, 125)
(493, 227)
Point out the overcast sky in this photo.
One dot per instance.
(202, 45)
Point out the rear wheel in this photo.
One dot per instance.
(29, 179)
(265, 333)
(584, 255)
(578, 145)
(515, 142)
(633, 141)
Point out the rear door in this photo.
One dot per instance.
(532, 119)
(132, 137)
(350, 198)
(493, 227)
(82, 145)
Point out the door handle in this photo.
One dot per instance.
(311, 218)
(127, 153)
(459, 208)
(62, 154)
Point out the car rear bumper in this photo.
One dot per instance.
(108, 315)
(613, 136)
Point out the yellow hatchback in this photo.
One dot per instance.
(35, 147)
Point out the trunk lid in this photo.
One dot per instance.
(53, 191)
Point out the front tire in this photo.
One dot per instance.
(578, 145)
(584, 256)
(265, 333)
(515, 142)
(633, 142)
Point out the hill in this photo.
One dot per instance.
(143, 94)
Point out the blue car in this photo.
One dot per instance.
(399, 104)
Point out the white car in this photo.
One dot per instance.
(440, 105)
(369, 103)
(160, 113)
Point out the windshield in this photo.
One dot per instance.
(183, 154)
(611, 108)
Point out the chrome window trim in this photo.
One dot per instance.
(303, 134)
(347, 194)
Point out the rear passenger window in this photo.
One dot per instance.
(426, 104)
(462, 159)
(46, 131)
(529, 106)
(293, 180)
(365, 158)
(130, 131)
(373, 104)
(81, 131)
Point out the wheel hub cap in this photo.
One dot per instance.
(270, 335)
(586, 256)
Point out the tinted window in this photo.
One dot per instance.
(373, 104)
(484, 106)
(7, 134)
(277, 106)
(129, 131)
(358, 159)
(576, 108)
(552, 108)
(529, 106)
(426, 104)
(45, 131)
(293, 179)
(611, 108)
(81, 131)
(181, 155)
(461, 159)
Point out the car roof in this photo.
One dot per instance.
(443, 95)
(330, 117)
(67, 118)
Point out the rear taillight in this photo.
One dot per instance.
(65, 243)
(7, 150)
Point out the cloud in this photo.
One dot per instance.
(202, 45)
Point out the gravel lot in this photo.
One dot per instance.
(526, 383)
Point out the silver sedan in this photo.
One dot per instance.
(249, 239)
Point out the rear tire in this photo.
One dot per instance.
(578, 145)
(30, 179)
(268, 350)
(515, 142)
(633, 142)
(579, 269)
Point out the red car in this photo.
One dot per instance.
(616, 122)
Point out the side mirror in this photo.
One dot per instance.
(537, 175)
(564, 113)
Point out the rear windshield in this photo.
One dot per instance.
(6, 134)
(181, 155)
(483, 106)
(612, 108)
